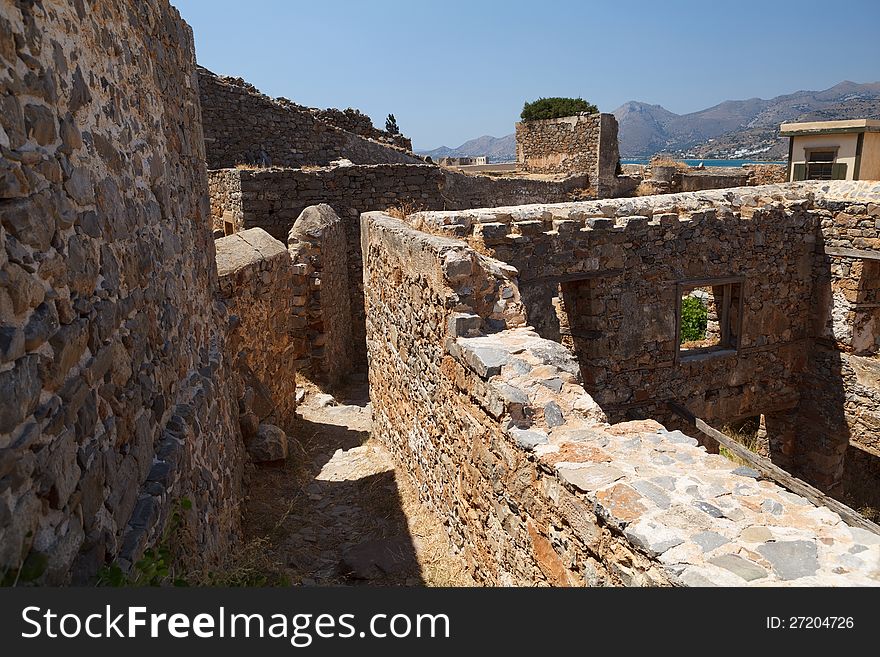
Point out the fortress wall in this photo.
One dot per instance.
(113, 375)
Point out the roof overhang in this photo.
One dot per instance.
(852, 126)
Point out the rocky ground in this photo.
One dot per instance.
(337, 511)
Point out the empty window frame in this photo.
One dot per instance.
(708, 317)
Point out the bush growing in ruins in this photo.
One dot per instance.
(554, 108)
(694, 318)
(391, 126)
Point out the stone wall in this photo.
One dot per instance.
(840, 407)
(273, 199)
(601, 276)
(606, 283)
(113, 378)
(584, 143)
(356, 122)
(533, 485)
(318, 248)
(243, 126)
(256, 282)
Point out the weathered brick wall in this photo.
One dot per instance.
(584, 143)
(256, 279)
(112, 369)
(243, 126)
(318, 248)
(533, 485)
(272, 199)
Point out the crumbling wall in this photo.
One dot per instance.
(839, 414)
(806, 358)
(273, 199)
(533, 485)
(113, 377)
(256, 282)
(318, 249)
(605, 282)
(243, 126)
(355, 121)
(584, 143)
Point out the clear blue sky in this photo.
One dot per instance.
(454, 70)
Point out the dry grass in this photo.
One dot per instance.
(248, 166)
(645, 189)
(663, 161)
(404, 209)
(746, 439)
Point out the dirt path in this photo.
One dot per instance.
(337, 512)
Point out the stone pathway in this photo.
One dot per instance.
(337, 512)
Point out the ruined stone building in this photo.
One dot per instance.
(522, 348)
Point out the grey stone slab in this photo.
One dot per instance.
(553, 414)
(511, 395)
(678, 437)
(653, 492)
(653, 538)
(744, 568)
(554, 383)
(708, 540)
(484, 361)
(528, 439)
(744, 471)
(664, 481)
(791, 559)
(591, 477)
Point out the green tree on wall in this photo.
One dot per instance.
(391, 126)
(554, 108)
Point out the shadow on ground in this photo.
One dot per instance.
(336, 512)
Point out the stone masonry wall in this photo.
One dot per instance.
(243, 126)
(606, 284)
(839, 414)
(807, 356)
(256, 278)
(534, 486)
(318, 249)
(273, 199)
(354, 121)
(584, 143)
(113, 377)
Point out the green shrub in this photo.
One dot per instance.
(554, 108)
(694, 318)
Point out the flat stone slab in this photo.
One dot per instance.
(486, 362)
(709, 540)
(590, 478)
(791, 559)
(528, 439)
(744, 568)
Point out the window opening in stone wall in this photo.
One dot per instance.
(708, 317)
(228, 228)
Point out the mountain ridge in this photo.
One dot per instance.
(730, 129)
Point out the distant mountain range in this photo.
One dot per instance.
(497, 149)
(739, 128)
(732, 129)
